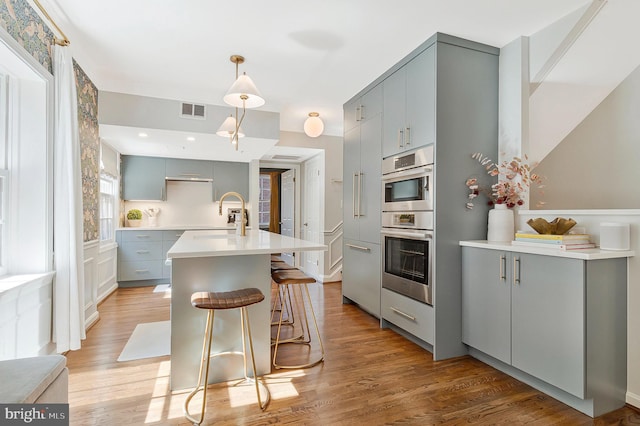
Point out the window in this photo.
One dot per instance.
(109, 188)
(3, 225)
(107, 207)
(264, 203)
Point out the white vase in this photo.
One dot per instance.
(500, 227)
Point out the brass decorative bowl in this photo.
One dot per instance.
(558, 226)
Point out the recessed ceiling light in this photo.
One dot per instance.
(191, 138)
(142, 135)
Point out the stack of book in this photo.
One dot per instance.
(560, 242)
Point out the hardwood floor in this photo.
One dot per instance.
(370, 377)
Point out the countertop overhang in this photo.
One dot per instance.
(224, 243)
(584, 254)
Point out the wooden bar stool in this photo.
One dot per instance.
(212, 301)
(289, 281)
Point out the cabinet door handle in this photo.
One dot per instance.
(400, 138)
(353, 197)
(358, 113)
(407, 135)
(516, 270)
(399, 312)
(360, 194)
(362, 111)
(503, 267)
(358, 247)
(142, 251)
(142, 236)
(141, 271)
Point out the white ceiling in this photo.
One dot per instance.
(302, 56)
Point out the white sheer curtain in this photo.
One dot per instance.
(68, 298)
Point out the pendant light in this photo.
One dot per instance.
(242, 94)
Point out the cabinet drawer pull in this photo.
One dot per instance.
(516, 270)
(141, 271)
(358, 247)
(503, 267)
(399, 312)
(142, 236)
(142, 251)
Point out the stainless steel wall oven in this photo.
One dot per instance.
(407, 254)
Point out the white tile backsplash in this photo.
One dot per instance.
(188, 203)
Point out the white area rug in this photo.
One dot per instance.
(148, 340)
(161, 288)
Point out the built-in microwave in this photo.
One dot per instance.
(407, 181)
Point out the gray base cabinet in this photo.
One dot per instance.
(361, 275)
(561, 321)
(142, 255)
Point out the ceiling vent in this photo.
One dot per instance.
(192, 111)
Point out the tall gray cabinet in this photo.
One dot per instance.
(443, 93)
(361, 194)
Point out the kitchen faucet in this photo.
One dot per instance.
(243, 226)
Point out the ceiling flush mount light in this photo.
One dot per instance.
(313, 125)
(242, 94)
(142, 135)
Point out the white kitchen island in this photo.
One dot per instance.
(221, 261)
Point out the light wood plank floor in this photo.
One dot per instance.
(370, 377)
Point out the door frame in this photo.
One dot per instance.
(297, 205)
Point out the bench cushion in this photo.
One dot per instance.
(27, 378)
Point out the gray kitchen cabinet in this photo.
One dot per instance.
(362, 202)
(446, 92)
(363, 108)
(409, 105)
(361, 275)
(140, 257)
(560, 320)
(486, 302)
(188, 169)
(361, 181)
(143, 178)
(230, 176)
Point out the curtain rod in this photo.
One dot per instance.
(65, 41)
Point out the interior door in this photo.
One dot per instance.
(287, 209)
(311, 226)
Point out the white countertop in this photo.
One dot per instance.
(584, 254)
(225, 243)
(179, 227)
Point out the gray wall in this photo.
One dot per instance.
(598, 165)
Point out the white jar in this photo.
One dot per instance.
(500, 227)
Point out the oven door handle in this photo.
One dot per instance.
(417, 172)
(408, 234)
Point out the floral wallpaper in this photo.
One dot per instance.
(19, 19)
(89, 152)
(24, 25)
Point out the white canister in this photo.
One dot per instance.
(614, 236)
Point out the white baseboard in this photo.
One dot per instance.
(89, 322)
(107, 293)
(334, 276)
(633, 399)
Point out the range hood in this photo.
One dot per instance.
(187, 178)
